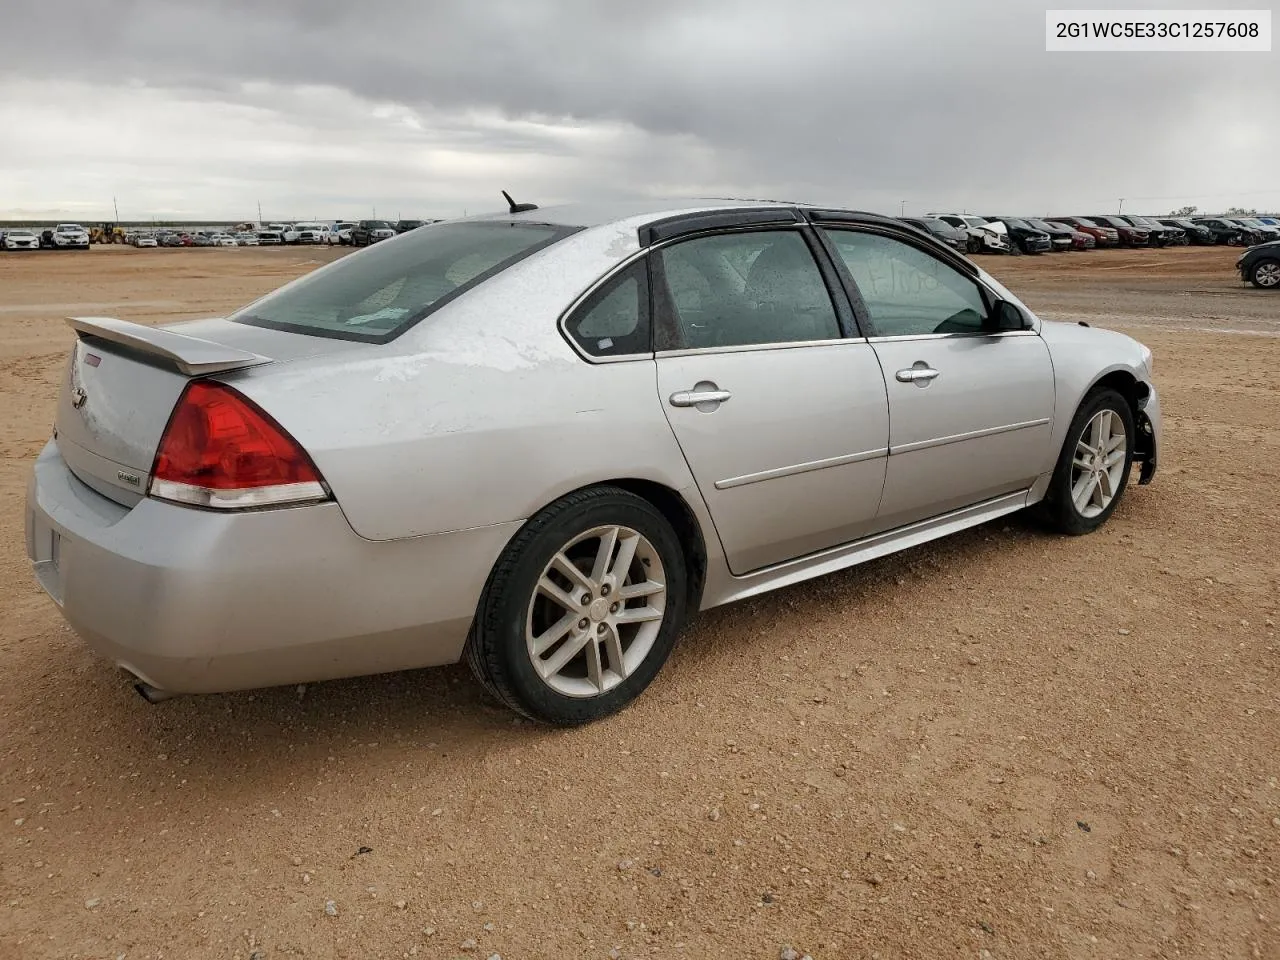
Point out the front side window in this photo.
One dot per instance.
(377, 294)
(614, 320)
(743, 289)
(908, 292)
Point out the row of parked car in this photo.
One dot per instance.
(357, 233)
(974, 234)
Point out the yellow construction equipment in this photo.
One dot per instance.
(107, 233)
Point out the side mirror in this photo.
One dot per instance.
(1006, 316)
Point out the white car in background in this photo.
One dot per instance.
(144, 240)
(224, 240)
(246, 239)
(312, 233)
(21, 240)
(70, 236)
(983, 236)
(340, 233)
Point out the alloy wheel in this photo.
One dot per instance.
(1267, 274)
(596, 611)
(1098, 464)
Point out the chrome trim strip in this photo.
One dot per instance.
(798, 468)
(743, 348)
(954, 336)
(971, 435)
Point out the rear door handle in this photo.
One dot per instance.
(692, 398)
(919, 374)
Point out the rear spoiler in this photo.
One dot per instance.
(191, 355)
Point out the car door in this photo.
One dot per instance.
(782, 419)
(970, 406)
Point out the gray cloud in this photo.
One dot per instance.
(941, 103)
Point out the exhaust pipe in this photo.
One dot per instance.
(152, 694)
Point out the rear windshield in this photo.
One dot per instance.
(1085, 222)
(378, 293)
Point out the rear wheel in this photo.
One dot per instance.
(1265, 274)
(582, 609)
(973, 245)
(1093, 467)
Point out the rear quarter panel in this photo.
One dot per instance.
(482, 413)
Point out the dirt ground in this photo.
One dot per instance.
(1003, 745)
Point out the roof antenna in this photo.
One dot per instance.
(518, 207)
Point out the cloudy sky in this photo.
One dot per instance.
(332, 108)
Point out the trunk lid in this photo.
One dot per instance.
(124, 379)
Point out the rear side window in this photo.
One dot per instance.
(743, 289)
(614, 320)
(377, 294)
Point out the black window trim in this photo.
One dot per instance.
(559, 232)
(684, 225)
(662, 312)
(989, 297)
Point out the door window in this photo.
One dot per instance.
(741, 289)
(907, 291)
(614, 320)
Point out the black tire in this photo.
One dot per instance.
(496, 650)
(1058, 511)
(1262, 278)
(973, 245)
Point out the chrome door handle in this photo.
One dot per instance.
(916, 374)
(691, 398)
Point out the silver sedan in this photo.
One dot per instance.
(541, 440)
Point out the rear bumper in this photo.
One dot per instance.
(195, 601)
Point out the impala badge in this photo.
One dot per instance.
(130, 478)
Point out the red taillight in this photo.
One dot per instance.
(220, 450)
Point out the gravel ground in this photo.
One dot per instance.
(1002, 745)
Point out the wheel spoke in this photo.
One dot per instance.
(608, 540)
(570, 570)
(1097, 430)
(637, 615)
(595, 669)
(1082, 490)
(568, 650)
(647, 589)
(1098, 498)
(1116, 443)
(547, 639)
(1084, 448)
(1104, 488)
(1114, 457)
(626, 553)
(549, 588)
(613, 647)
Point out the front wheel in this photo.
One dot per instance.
(583, 608)
(1265, 274)
(1093, 467)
